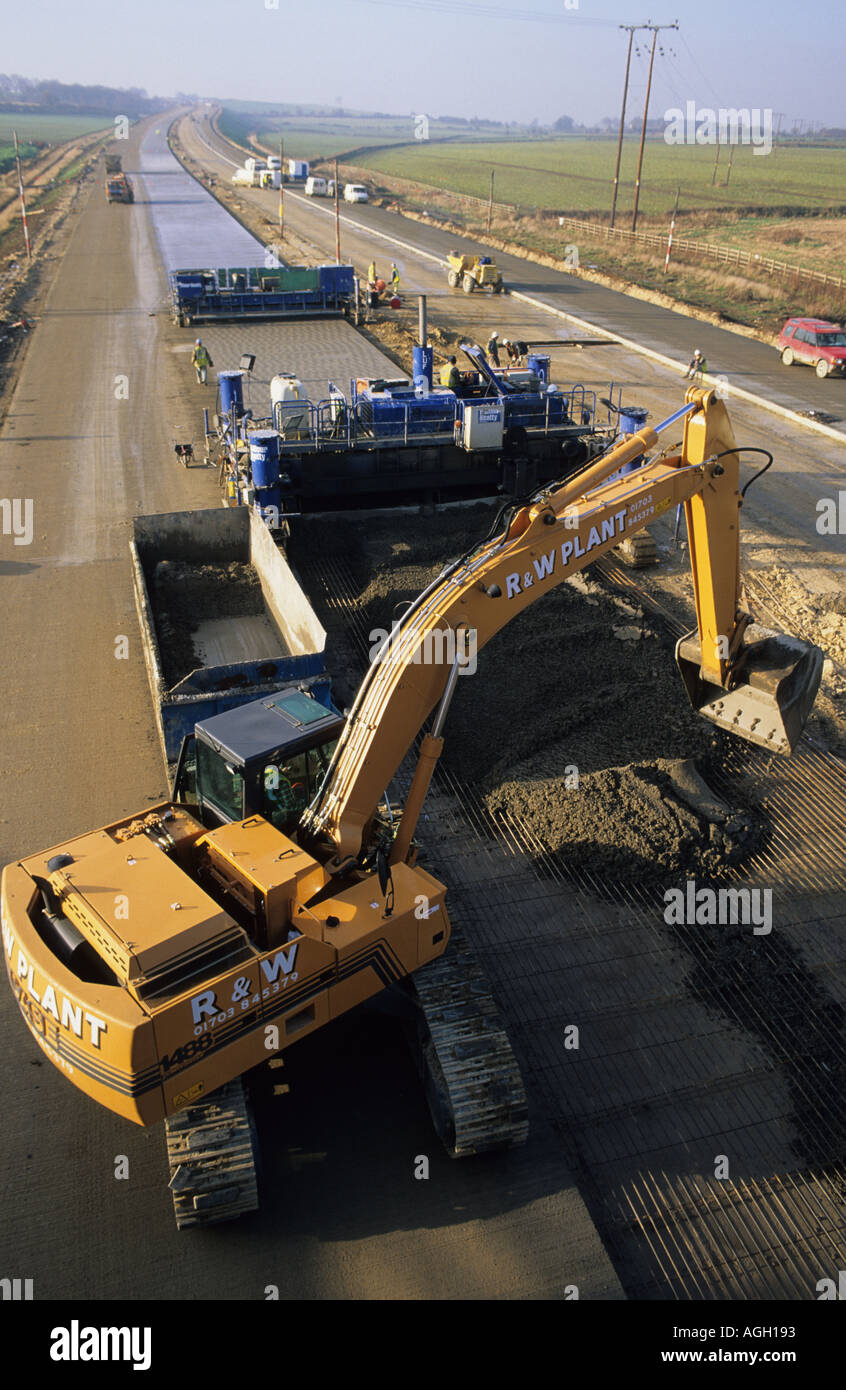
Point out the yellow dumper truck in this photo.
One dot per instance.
(474, 272)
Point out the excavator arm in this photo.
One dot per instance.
(541, 544)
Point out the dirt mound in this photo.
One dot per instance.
(581, 678)
(638, 822)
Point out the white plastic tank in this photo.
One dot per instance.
(289, 405)
(286, 387)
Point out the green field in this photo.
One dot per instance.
(576, 175)
(53, 129)
(313, 137)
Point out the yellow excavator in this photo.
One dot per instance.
(159, 959)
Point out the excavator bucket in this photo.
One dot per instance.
(777, 679)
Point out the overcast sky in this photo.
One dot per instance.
(456, 57)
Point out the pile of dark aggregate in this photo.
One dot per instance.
(185, 595)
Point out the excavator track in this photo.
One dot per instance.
(211, 1150)
(473, 1084)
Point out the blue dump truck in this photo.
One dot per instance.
(223, 618)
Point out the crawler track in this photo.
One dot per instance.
(473, 1083)
(211, 1155)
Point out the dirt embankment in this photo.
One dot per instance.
(576, 719)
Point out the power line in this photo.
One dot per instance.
(656, 30)
(699, 70)
(484, 11)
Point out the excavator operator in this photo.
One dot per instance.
(285, 791)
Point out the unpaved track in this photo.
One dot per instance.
(342, 1216)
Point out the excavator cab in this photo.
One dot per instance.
(264, 758)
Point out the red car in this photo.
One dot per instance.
(822, 345)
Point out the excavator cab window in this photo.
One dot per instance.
(185, 778)
(319, 759)
(285, 790)
(221, 786)
(288, 783)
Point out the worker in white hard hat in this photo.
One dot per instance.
(201, 361)
(493, 348)
(696, 367)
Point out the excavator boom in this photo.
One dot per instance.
(756, 683)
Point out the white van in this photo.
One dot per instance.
(355, 193)
(315, 187)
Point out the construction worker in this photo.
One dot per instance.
(395, 279)
(493, 348)
(450, 375)
(284, 791)
(697, 366)
(201, 361)
(371, 273)
(511, 349)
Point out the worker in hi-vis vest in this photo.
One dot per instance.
(450, 375)
(201, 360)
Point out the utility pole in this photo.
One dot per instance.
(716, 162)
(672, 227)
(23, 199)
(656, 29)
(728, 170)
(631, 30)
(281, 182)
(337, 220)
(490, 202)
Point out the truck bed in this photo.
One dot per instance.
(223, 619)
